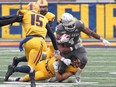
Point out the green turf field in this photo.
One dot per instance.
(99, 72)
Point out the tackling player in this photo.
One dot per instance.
(69, 42)
(36, 27)
(46, 69)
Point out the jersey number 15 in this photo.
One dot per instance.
(35, 20)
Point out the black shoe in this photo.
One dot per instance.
(15, 63)
(33, 84)
(17, 79)
(9, 72)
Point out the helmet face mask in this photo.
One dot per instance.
(68, 22)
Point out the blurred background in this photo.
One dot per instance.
(98, 15)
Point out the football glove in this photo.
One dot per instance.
(66, 61)
(64, 38)
(56, 53)
(55, 65)
(106, 43)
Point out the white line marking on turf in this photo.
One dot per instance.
(112, 72)
(53, 84)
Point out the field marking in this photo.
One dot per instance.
(103, 61)
(52, 84)
(107, 78)
(83, 71)
(112, 72)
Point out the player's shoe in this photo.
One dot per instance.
(17, 79)
(78, 79)
(52, 79)
(15, 63)
(9, 72)
(33, 84)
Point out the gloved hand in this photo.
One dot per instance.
(19, 17)
(56, 53)
(64, 38)
(78, 45)
(66, 61)
(55, 65)
(21, 46)
(106, 43)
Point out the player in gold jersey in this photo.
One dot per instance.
(41, 6)
(36, 27)
(45, 69)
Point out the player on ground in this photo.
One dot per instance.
(45, 70)
(36, 27)
(69, 42)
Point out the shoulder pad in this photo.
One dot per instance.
(50, 16)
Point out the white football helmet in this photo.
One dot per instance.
(68, 22)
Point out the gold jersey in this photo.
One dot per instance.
(34, 6)
(50, 16)
(34, 23)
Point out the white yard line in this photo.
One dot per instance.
(53, 84)
(112, 72)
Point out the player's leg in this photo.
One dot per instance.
(34, 56)
(16, 60)
(82, 55)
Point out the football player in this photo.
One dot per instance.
(70, 43)
(36, 27)
(40, 6)
(46, 69)
(32, 6)
(43, 9)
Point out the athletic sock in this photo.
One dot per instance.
(22, 59)
(22, 69)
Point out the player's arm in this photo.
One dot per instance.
(63, 49)
(52, 37)
(5, 20)
(96, 36)
(62, 77)
(51, 25)
(90, 33)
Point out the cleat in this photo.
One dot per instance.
(9, 72)
(15, 63)
(52, 79)
(33, 85)
(17, 79)
(78, 79)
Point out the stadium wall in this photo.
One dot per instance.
(100, 17)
